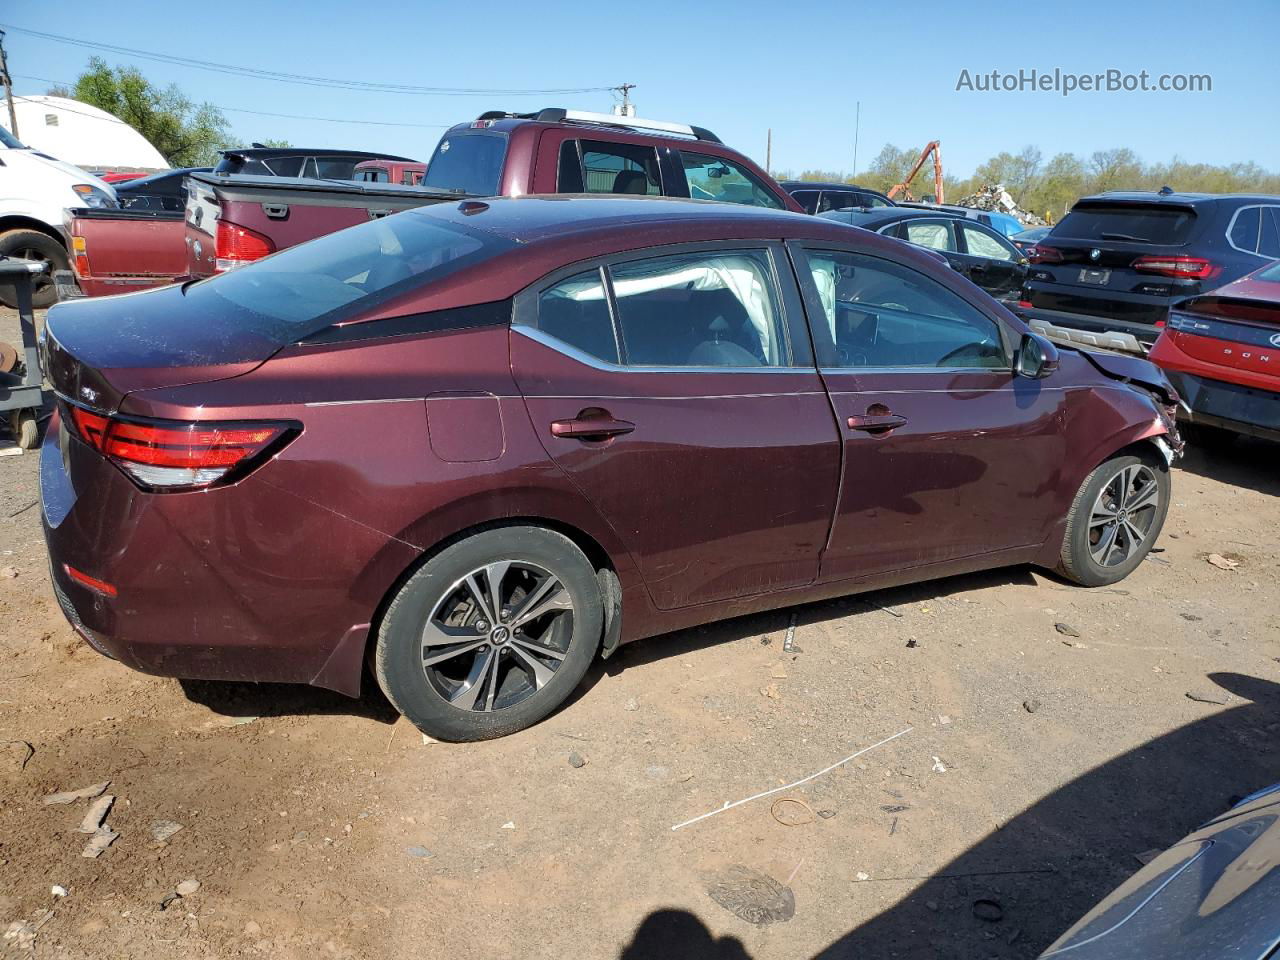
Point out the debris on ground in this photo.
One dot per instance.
(994, 197)
(102, 839)
(912, 643)
(1190, 617)
(789, 642)
(25, 933)
(1221, 562)
(1067, 630)
(187, 887)
(939, 766)
(8, 573)
(778, 671)
(771, 691)
(632, 705)
(860, 876)
(421, 853)
(96, 813)
(1031, 706)
(57, 891)
(162, 830)
(71, 796)
(791, 812)
(826, 814)
(509, 825)
(18, 753)
(751, 896)
(896, 807)
(577, 760)
(1218, 699)
(988, 910)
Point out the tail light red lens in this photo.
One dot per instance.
(236, 246)
(1039, 254)
(1190, 268)
(93, 583)
(172, 455)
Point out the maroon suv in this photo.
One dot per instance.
(479, 444)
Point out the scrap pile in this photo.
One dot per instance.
(995, 197)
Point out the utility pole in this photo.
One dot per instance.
(857, 125)
(768, 153)
(8, 88)
(626, 108)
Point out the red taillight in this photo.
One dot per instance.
(237, 246)
(1190, 268)
(1025, 304)
(1039, 254)
(93, 583)
(169, 455)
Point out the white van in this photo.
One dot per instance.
(34, 190)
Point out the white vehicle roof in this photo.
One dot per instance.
(81, 134)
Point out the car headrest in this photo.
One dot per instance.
(631, 181)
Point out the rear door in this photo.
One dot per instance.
(677, 389)
(948, 455)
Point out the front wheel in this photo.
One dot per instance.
(1115, 519)
(491, 634)
(40, 248)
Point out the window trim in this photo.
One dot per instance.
(1231, 225)
(793, 330)
(799, 250)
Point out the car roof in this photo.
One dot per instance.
(790, 185)
(251, 153)
(1174, 199)
(883, 215)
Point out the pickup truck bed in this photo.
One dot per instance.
(279, 212)
(118, 251)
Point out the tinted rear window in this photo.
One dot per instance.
(308, 287)
(468, 163)
(1128, 223)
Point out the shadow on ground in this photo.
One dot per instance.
(234, 699)
(1240, 461)
(1048, 866)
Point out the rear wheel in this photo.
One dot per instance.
(36, 246)
(1115, 519)
(491, 634)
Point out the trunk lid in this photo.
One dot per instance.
(96, 351)
(1234, 332)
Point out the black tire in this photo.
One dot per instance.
(1084, 540)
(423, 693)
(34, 245)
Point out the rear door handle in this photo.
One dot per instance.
(871, 422)
(590, 428)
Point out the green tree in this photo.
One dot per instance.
(186, 135)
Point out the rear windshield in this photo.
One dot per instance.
(1128, 223)
(469, 163)
(326, 167)
(313, 285)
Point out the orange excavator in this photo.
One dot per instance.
(904, 187)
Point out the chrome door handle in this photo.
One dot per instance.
(590, 428)
(873, 422)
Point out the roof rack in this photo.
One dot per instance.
(560, 115)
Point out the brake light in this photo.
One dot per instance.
(1039, 254)
(1189, 268)
(235, 246)
(81, 251)
(171, 455)
(93, 583)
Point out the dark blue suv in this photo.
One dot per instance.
(1118, 260)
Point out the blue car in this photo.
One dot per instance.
(1215, 894)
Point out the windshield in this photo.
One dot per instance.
(468, 163)
(10, 141)
(1128, 223)
(306, 288)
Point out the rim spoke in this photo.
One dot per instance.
(1108, 541)
(1134, 536)
(482, 602)
(541, 673)
(1124, 483)
(1148, 496)
(538, 649)
(438, 635)
(555, 597)
(495, 661)
(450, 654)
(465, 699)
(493, 575)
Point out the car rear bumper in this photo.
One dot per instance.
(1130, 312)
(1217, 403)
(221, 585)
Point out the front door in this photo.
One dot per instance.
(675, 392)
(991, 261)
(947, 453)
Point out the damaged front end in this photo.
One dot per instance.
(1147, 377)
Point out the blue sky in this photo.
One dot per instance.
(737, 67)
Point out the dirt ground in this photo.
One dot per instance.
(1037, 766)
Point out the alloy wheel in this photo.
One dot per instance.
(497, 635)
(1123, 515)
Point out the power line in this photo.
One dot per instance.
(260, 113)
(299, 78)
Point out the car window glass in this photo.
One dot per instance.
(569, 172)
(620, 168)
(882, 314)
(1245, 229)
(699, 310)
(1269, 236)
(871, 200)
(714, 178)
(469, 163)
(280, 166)
(935, 236)
(807, 199)
(984, 245)
(576, 312)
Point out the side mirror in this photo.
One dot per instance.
(1037, 357)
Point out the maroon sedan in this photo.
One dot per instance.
(479, 444)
